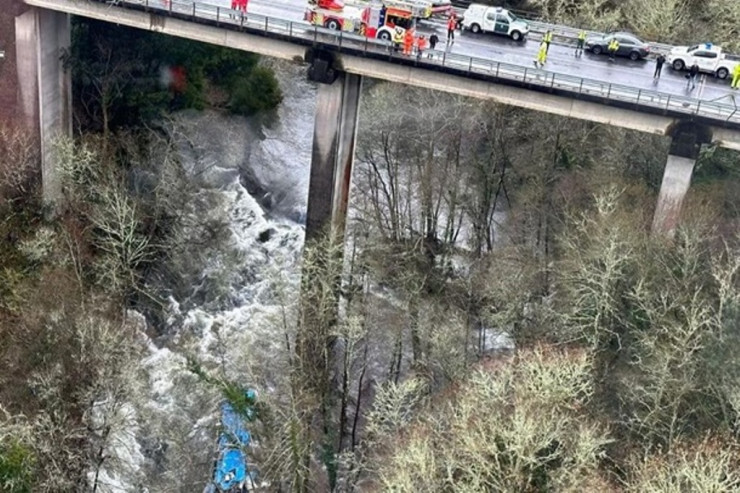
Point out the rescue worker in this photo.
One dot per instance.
(693, 74)
(234, 6)
(243, 7)
(408, 42)
(659, 66)
(547, 39)
(451, 25)
(736, 77)
(541, 59)
(421, 45)
(613, 48)
(580, 42)
(397, 38)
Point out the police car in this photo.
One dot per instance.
(707, 56)
(485, 19)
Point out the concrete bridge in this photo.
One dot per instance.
(339, 61)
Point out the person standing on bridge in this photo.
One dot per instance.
(451, 25)
(397, 39)
(613, 48)
(736, 77)
(541, 59)
(693, 73)
(547, 39)
(408, 42)
(659, 65)
(580, 42)
(433, 39)
(234, 6)
(243, 7)
(421, 45)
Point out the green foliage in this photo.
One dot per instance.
(122, 75)
(16, 467)
(243, 402)
(258, 91)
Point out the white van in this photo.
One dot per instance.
(483, 18)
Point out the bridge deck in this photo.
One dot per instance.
(614, 104)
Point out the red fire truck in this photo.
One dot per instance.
(371, 20)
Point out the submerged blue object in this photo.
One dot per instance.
(234, 429)
(231, 469)
(231, 473)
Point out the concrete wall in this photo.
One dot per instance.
(9, 10)
(673, 189)
(44, 88)
(27, 63)
(55, 95)
(335, 132)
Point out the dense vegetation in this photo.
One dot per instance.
(506, 320)
(126, 77)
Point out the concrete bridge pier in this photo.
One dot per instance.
(335, 131)
(687, 139)
(44, 86)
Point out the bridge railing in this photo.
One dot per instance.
(350, 43)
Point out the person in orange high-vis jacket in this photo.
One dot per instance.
(421, 45)
(408, 42)
(451, 26)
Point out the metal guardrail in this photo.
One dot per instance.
(647, 101)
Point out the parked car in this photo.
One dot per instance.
(482, 18)
(709, 58)
(629, 45)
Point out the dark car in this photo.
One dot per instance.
(629, 45)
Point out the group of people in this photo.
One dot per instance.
(690, 77)
(410, 43)
(240, 5)
(612, 49)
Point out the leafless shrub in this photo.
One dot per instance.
(511, 427)
(711, 464)
(19, 164)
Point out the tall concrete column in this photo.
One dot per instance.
(686, 142)
(335, 130)
(44, 87)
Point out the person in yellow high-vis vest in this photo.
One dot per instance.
(397, 38)
(580, 43)
(541, 59)
(613, 48)
(736, 77)
(547, 39)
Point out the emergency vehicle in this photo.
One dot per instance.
(480, 18)
(709, 57)
(371, 20)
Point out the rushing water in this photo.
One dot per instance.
(260, 179)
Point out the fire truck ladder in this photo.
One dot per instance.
(418, 8)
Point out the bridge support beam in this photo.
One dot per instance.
(685, 146)
(45, 87)
(335, 130)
